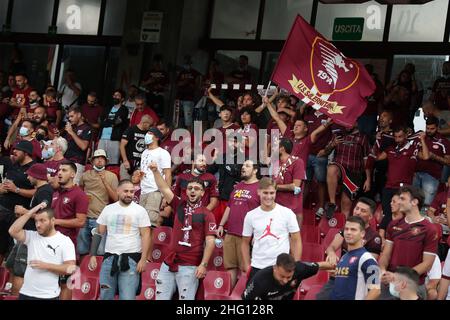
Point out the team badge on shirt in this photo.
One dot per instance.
(415, 231)
(352, 260)
(66, 200)
(212, 227)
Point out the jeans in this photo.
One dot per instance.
(127, 281)
(445, 174)
(184, 279)
(428, 184)
(85, 238)
(317, 167)
(188, 110)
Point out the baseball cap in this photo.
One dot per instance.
(156, 133)
(99, 153)
(25, 146)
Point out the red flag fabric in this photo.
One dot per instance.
(314, 70)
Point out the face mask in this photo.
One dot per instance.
(40, 137)
(47, 154)
(116, 101)
(98, 169)
(148, 139)
(33, 102)
(198, 172)
(23, 132)
(392, 290)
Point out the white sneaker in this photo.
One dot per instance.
(320, 212)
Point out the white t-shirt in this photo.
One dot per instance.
(435, 272)
(122, 225)
(55, 249)
(131, 105)
(68, 95)
(162, 158)
(270, 230)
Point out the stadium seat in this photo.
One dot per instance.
(9, 297)
(159, 252)
(313, 291)
(239, 288)
(216, 260)
(86, 288)
(91, 273)
(337, 221)
(378, 215)
(217, 283)
(115, 170)
(310, 234)
(309, 217)
(319, 279)
(4, 276)
(162, 235)
(326, 241)
(373, 224)
(312, 252)
(149, 275)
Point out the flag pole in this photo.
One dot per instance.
(268, 86)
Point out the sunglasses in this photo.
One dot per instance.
(194, 188)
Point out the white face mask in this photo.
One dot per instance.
(148, 139)
(393, 291)
(99, 169)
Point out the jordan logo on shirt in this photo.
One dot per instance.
(54, 249)
(267, 232)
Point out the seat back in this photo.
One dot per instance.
(337, 221)
(88, 288)
(239, 288)
(326, 241)
(217, 283)
(84, 267)
(159, 252)
(312, 252)
(311, 294)
(162, 235)
(310, 233)
(4, 276)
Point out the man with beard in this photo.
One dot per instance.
(402, 160)
(20, 96)
(53, 155)
(243, 199)
(211, 194)
(141, 110)
(384, 138)
(132, 145)
(16, 189)
(17, 260)
(50, 254)
(188, 256)
(274, 229)
(410, 241)
(92, 112)
(53, 107)
(70, 204)
(40, 116)
(127, 225)
(428, 172)
(281, 281)
(357, 272)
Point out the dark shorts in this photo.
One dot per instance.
(352, 181)
(17, 260)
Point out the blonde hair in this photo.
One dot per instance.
(266, 182)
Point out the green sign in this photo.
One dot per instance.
(348, 29)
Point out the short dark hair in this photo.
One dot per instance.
(409, 273)
(414, 192)
(163, 121)
(21, 74)
(358, 220)
(51, 92)
(32, 122)
(49, 211)
(198, 181)
(124, 181)
(401, 128)
(42, 128)
(93, 94)
(432, 121)
(69, 163)
(75, 109)
(286, 261)
(372, 204)
(287, 145)
(122, 93)
(141, 96)
(250, 111)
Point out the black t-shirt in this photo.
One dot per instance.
(135, 145)
(17, 174)
(229, 175)
(74, 153)
(43, 193)
(264, 286)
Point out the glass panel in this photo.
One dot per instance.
(279, 16)
(88, 63)
(424, 22)
(3, 12)
(373, 13)
(114, 17)
(78, 16)
(235, 19)
(229, 62)
(271, 61)
(379, 67)
(23, 22)
(111, 74)
(5, 56)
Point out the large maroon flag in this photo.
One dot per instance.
(314, 70)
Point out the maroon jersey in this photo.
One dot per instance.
(402, 162)
(21, 97)
(137, 116)
(372, 241)
(52, 109)
(351, 152)
(187, 84)
(67, 203)
(243, 199)
(230, 131)
(410, 241)
(316, 119)
(92, 114)
(289, 171)
(53, 166)
(186, 248)
(210, 183)
(439, 146)
(167, 143)
(302, 148)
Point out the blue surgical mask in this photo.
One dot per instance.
(148, 139)
(393, 291)
(48, 153)
(23, 132)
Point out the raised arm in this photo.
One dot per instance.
(163, 187)
(16, 230)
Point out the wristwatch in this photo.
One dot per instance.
(17, 189)
(204, 264)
